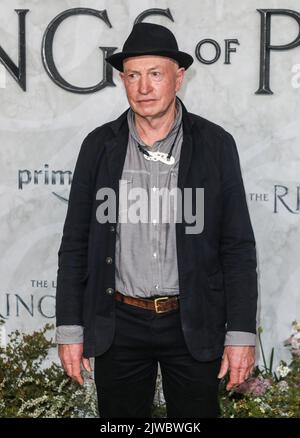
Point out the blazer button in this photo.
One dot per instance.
(109, 260)
(110, 291)
(111, 228)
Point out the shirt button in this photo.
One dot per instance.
(156, 286)
(109, 260)
(154, 189)
(154, 254)
(110, 291)
(154, 221)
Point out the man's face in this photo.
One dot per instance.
(151, 83)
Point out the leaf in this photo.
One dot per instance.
(271, 360)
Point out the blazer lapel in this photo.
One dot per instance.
(116, 153)
(186, 148)
(188, 161)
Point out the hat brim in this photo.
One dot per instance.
(184, 59)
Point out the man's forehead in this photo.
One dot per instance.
(147, 62)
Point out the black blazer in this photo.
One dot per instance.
(217, 268)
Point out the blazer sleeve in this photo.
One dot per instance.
(237, 245)
(73, 251)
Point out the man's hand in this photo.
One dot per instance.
(239, 361)
(71, 359)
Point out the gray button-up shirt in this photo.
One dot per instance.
(146, 261)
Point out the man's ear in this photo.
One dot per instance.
(179, 77)
(121, 74)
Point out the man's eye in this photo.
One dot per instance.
(156, 73)
(131, 76)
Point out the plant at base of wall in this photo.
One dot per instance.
(30, 389)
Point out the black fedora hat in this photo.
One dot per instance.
(150, 39)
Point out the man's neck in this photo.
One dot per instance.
(152, 129)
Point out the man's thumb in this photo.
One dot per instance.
(86, 364)
(224, 367)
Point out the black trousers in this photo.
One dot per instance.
(125, 375)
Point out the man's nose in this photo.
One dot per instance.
(144, 85)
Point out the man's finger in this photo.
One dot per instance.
(251, 369)
(77, 373)
(87, 365)
(246, 375)
(78, 378)
(243, 375)
(68, 368)
(73, 370)
(245, 372)
(234, 379)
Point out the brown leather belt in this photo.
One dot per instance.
(159, 305)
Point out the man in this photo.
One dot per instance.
(133, 294)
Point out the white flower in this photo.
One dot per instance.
(283, 386)
(283, 371)
(296, 326)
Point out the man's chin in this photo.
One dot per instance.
(144, 112)
(146, 106)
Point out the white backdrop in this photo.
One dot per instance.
(42, 129)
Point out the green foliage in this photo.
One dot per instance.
(267, 370)
(159, 404)
(29, 389)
